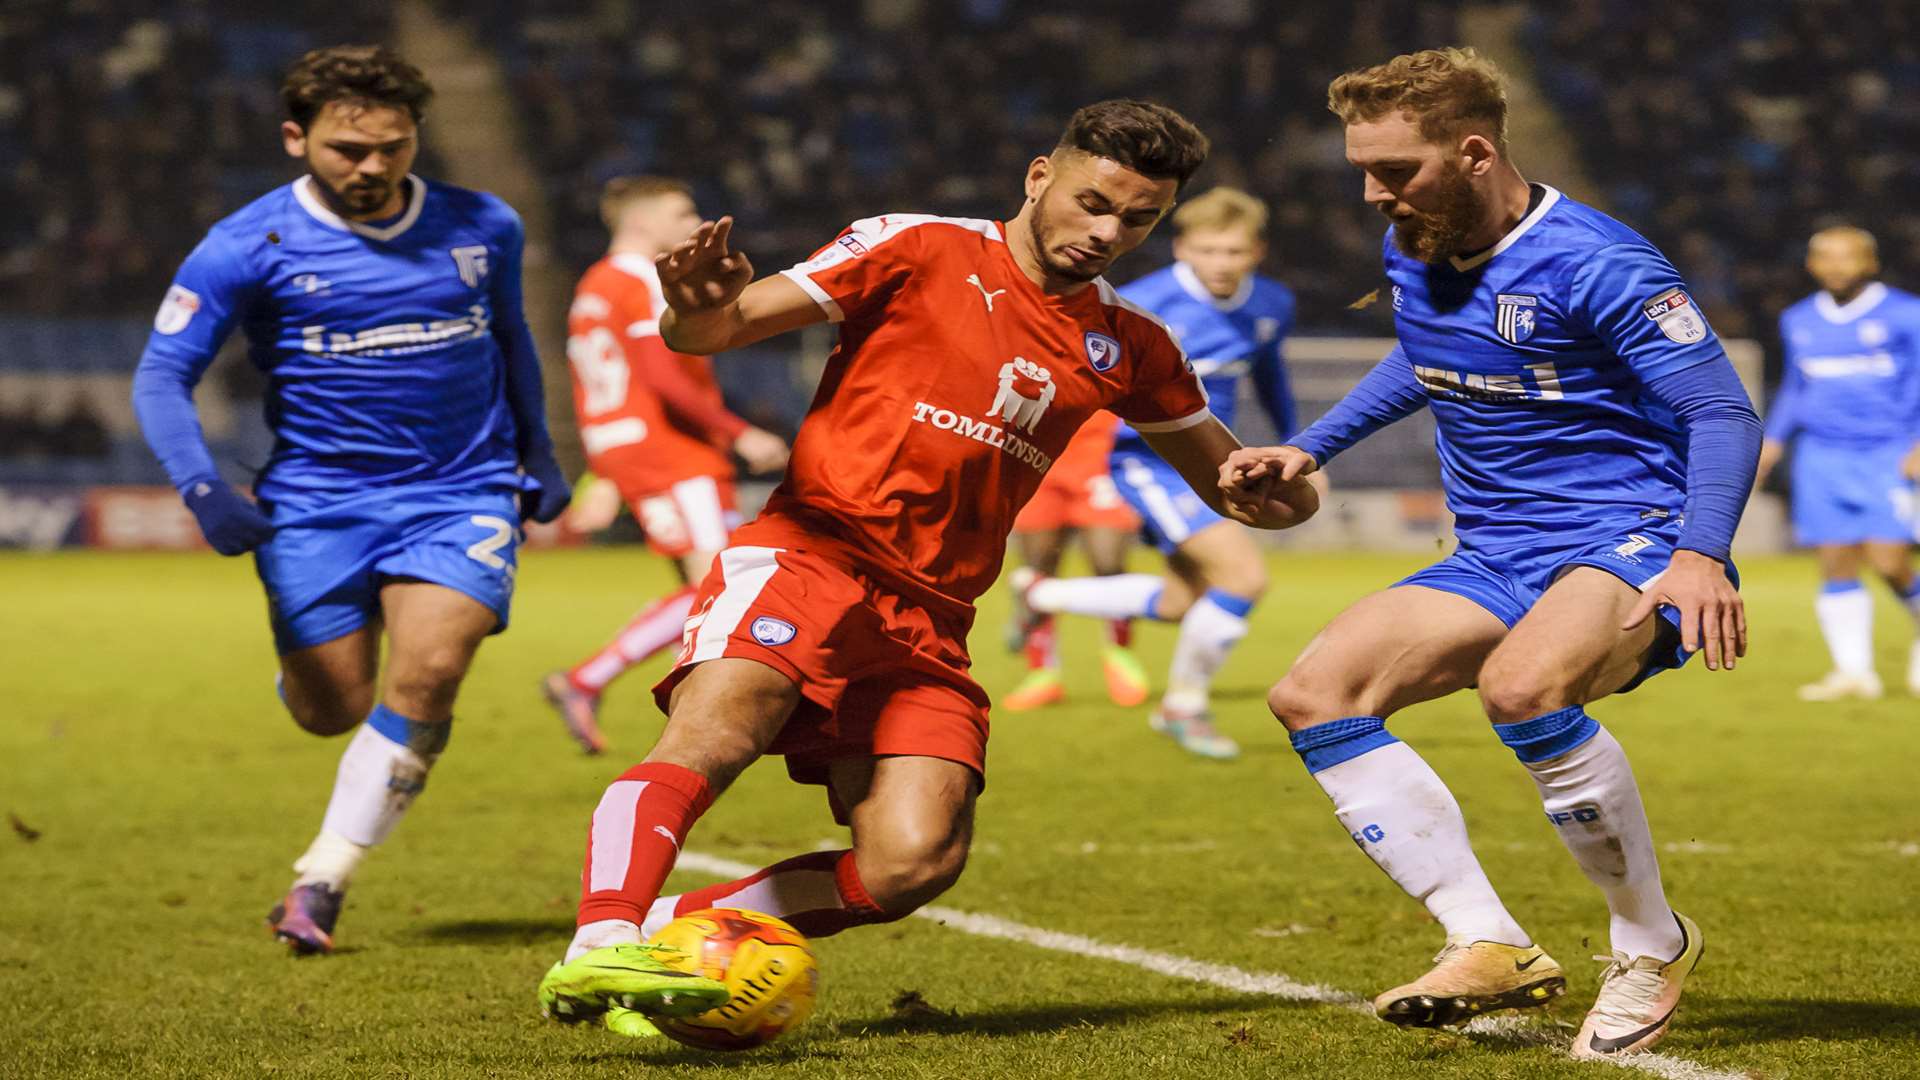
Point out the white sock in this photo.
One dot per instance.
(1115, 596)
(1211, 628)
(1845, 614)
(378, 778)
(1395, 807)
(1589, 794)
(330, 861)
(596, 935)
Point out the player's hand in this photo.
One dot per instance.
(1910, 465)
(549, 492)
(701, 274)
(1712, 615)
(595, 505)
(763, 451)
(1772, 450)
(229, 520)
(1267, 486)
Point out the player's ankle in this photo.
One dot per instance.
(600, 934)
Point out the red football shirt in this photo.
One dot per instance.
(649, 417)
(955, 384)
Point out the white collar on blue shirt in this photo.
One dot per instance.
(416, 198)
(1868, 299)
(1190, 282)
(1546, 203)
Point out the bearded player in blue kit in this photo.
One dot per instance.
(410, 438)
(1597, 450)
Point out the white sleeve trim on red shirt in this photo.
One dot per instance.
(1197, 416)
(799, 276)
(862, 237)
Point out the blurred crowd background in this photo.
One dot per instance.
(1726, 132)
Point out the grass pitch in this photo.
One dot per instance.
(157, 794)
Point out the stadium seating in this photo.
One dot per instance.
(1729, 132)
(799, 117)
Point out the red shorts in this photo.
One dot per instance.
(879, 673)
(695, 514)
(1086, 501)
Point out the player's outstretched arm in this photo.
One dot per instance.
(711, 307)
(1201, 454)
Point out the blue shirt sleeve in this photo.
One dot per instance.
(525, 395)
(1782, 412)
(1270, 380)
(208, 296)
(1388, 393)
(1634, 301)
(1723, 451)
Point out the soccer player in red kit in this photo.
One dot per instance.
(833, 630)
(653, 425)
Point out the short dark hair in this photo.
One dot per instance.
(623, 191)
(1149, 138)
(357, 74)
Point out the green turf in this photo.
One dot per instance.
(140, 736)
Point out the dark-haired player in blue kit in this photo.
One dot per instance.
(1850, 405)
(1232, 321)
(1597, 450)
(410, 438)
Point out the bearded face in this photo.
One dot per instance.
(1061, 256)
(1437, 232)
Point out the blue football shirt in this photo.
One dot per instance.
(1534, 354)
(1226, 340)
(1852, 370)
(385, 345)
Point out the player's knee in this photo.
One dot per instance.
(1511, 692)
(1246, 579)
(430, 675)
(912, 865)
(326, 713)
(326, 719)
(1298, 702)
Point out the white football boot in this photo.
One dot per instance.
(1637, 998)
(1841, 685)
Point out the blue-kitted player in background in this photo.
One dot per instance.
(1597, 450)
(1849, 403)
(410, 438)
(1233, 323)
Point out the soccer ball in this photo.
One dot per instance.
(766, 964)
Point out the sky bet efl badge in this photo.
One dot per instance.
(1513, 315)
(1674, 313)
(1102, 351)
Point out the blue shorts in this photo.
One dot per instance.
(1169, 510)
(1844, 494)
(1509, 583)
(325, 564)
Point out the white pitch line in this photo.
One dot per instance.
(1227, 977)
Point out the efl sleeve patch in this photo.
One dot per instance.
(1674, 313)
(177, 310)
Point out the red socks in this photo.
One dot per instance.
(635, 837)
(820, 893)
